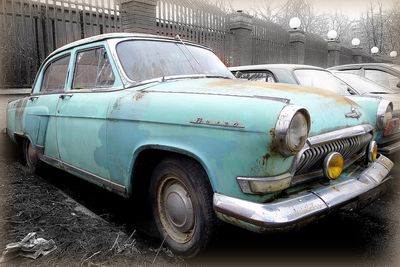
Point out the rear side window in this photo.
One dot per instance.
(93, 70)
(55, 75)
(263, 76)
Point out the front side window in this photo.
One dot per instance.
(382, 78)
(321, 79)
(93, 70)
(55, 75)
(147, 59)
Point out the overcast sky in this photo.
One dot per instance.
(352, 8)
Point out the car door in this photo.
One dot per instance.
(82, 113)
(41, 106)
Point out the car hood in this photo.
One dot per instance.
(327, 110)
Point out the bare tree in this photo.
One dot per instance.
(374, 26)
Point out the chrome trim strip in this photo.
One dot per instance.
(389, 149)
(316, 202)
(118, 188)
(389, 138)
(339, 134)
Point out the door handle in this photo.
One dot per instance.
(63, 96)
(31, 98)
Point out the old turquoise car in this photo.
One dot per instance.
(164, 121)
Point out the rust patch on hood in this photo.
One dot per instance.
(290, 88)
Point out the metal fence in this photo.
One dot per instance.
(270, 43)
(31, 29)
(196, 21)
(316, 52)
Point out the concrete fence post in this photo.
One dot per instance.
(357, 54)
(138, 16)
(297, 48)
(241, 48)
(333, 53)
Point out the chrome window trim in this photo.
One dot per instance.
(112, 44)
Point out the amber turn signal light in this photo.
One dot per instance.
(333, 165)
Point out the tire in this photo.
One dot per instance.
(30, 157)
(179, 182)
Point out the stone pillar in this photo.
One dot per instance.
(333, 53)
(297, 41)
(241, 48)
(139, 16)
(357, 54)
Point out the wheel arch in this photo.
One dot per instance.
(146, 158)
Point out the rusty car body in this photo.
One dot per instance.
(164, 118)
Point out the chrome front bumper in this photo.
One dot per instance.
(290, 212)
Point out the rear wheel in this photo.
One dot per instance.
(181, 198)
(31, 157)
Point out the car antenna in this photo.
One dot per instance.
(178, 38)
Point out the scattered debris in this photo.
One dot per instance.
(29, 247)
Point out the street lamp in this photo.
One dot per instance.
(393, 54)
(332, 35)
(355, 42)
(294, 23)
(374, 50)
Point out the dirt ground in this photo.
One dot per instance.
(31, 204)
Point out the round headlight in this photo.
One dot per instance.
(291, 130)
(384, 114)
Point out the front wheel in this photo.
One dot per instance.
(181, 198)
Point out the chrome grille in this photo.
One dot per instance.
(313, 157)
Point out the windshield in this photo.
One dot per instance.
(362, 85)
(321, 79)
(148, 59)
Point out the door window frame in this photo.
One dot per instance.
(37, 87)
(118, 85)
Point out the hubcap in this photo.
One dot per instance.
(176, 209)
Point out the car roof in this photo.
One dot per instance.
(274, 66)
(106, 36)
(389, 65)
